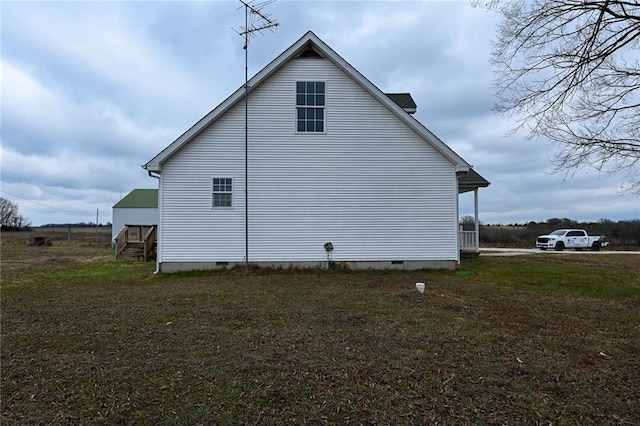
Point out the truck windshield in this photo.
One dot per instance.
(558, 232)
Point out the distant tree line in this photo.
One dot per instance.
(621, 234)
(76, 225)
(12, 220)
(10, 217)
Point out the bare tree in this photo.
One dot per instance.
(468, 222)
(569, 71)
(10, 218)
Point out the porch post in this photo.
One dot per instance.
(477, 223)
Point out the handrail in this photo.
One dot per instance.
(149, 232)
(149, 242)
(121, 240)
(145, 234)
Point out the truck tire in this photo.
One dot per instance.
(595, 246)
(559, 246)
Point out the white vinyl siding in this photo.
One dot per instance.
(369, 185)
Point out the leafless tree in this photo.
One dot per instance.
(468, 222)
(10, 218)
(569, 72)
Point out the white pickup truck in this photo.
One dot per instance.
(570, 238)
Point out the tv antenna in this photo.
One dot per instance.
(255, 21)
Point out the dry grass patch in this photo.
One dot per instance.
(514, 342)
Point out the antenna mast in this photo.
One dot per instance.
(255, 21)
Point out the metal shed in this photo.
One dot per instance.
(139, 207)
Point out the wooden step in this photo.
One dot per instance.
(132, 250)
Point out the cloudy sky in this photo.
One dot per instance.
(92, 90)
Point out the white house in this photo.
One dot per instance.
(335, 170)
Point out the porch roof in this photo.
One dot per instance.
(471, 181)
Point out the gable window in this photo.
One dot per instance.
(222, 192)
(310, 97)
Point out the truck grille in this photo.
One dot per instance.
(543, 240)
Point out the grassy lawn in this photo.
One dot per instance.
(520, 340)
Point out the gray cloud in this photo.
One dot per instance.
(92, 90)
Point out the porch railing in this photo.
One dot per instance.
(468, 241)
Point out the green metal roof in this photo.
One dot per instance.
(139, 199)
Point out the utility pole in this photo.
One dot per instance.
(255, 21)
(97, 213)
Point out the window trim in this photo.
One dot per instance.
(221, 192)
(322, 107)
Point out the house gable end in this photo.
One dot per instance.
(308, 46)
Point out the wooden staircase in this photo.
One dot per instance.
(137, 242)
(132, 250)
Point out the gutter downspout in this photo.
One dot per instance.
(156, 176)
